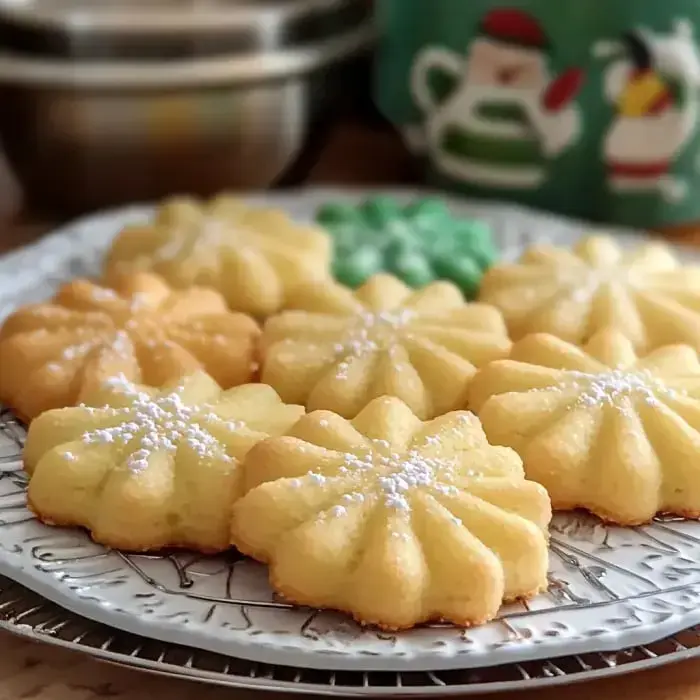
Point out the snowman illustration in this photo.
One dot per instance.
(497, 117)
(652, 82)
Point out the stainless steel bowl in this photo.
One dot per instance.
(169, 29)
(82, 134)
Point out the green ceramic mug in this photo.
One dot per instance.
(585, 107)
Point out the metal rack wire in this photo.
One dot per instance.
(28, 614)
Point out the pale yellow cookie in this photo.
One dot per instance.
(153, 468)
(394, 520)
(644, 292)
(253, 256)
(600, 428)
(52, 353)
(338, 349)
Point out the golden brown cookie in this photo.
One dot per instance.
(253, 256)
(600, 427)
(339, 349)
(153, 468)
(52, 353)
(394, 520)
(644, 292)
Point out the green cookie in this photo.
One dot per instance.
(418, 242)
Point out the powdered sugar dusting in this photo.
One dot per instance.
(608, 388)
(73, 352)
(103, 294)
(584, 290)
(121, 343)
(206, 238)
(369, 333)
(159, 424)
(139, 301)
(581, 281)
(393, 478)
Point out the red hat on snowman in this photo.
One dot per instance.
(519, 29)
(512, 26)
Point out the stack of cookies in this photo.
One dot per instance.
(329, 400)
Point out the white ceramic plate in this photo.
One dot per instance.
(610, 588)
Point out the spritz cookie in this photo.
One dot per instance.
(155, 467)
(338, 349)
(644, 292)
(599, 427)
(394, 520)
(253, 256)
(52, 353)
(418, 242)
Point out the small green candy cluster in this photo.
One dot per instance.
(418, 243)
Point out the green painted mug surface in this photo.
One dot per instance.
(585, 107)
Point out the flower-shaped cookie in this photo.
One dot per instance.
(52, 353)
(644, 293)
(153, 468)
(418, 243)
(254, 257)
(342, 348)
(599, 427)
(393, 520)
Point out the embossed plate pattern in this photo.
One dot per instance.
(609, 587)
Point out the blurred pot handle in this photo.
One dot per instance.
(429, 60)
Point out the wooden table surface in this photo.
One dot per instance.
(30, 670)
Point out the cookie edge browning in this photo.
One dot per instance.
(127, 545)
(297, 598)
(251, 326)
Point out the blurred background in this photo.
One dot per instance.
(589, 109)
(120, 101)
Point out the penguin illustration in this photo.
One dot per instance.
(652, 84)
(646, 92)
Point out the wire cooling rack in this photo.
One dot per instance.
(27, 614)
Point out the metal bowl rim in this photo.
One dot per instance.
(123, 21)
(210, 72)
